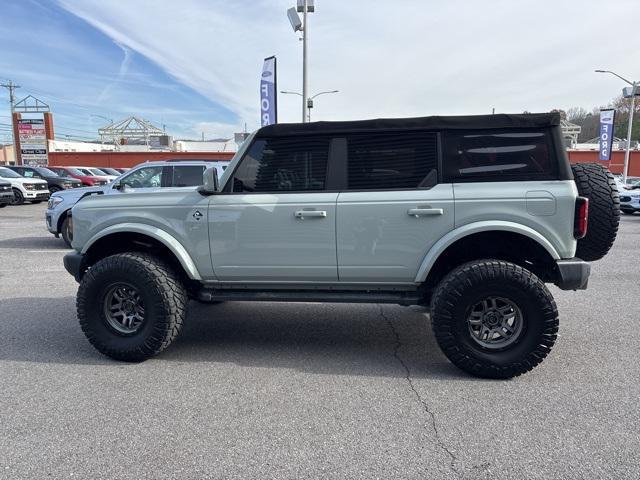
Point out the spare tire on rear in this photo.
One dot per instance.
(596, 182)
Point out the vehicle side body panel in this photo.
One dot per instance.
(175, 216)
(383, 235)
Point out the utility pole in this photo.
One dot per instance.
(305, 37)
(12, 101)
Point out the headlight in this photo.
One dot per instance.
(67, 185)
(29, 186)
(54, 202)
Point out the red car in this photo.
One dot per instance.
(88, 180)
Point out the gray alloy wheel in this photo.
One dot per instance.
(124, 308)
(495, 322)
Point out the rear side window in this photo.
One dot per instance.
(392, 160)
(474, 156)
(284, 164)
(187, 176)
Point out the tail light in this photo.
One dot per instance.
(581, 218)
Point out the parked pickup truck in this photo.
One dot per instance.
(470, 216)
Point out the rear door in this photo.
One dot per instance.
(392, 209)
(276, 221)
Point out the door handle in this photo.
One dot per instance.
(423, 212)
(301, 214)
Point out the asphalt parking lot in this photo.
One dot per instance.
(307, 390)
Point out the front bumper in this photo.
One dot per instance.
(6, 198)
(74, 263)
(573, 274)
(36, 195)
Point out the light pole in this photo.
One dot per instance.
(634, 91)
(309, 102)
(306, 7)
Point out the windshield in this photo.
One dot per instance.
(86, 171)
(75, 171)
(97, 171)
(110, 171)
(45, 172)
(6, 173)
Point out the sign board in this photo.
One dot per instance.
(606, 133)
(268, 98)
(33, 142)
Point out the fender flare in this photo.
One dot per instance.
(477, 227)
(158, 234)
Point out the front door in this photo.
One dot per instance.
(275, 221)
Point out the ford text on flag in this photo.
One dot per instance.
(606, 133)
(268, 100)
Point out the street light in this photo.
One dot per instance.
(304, 6)
(309, 103)
(633, 92)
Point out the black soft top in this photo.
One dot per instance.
(502, 120)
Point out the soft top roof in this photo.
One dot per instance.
(502, 120)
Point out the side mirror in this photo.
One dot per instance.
(118, 186)
(209, 182)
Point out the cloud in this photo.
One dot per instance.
(398, 58)
(122, 72)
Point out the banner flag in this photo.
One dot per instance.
(268, 94)
(606, 133)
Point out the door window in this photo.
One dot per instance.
(388, 161)
(187, 175)
(288, 164)
(146, 177)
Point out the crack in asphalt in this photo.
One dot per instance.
(425, 406)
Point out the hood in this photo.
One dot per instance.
(78, 192)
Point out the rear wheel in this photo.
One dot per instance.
(131, 306)
(18, 198)
(494, 319)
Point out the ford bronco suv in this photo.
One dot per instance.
(470, 216)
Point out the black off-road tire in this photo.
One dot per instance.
(596, 182)
(2, 205)
(467, 285)
(163, 294)
(67, 234)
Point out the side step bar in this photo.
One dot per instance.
(336, 296)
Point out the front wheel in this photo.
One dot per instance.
(66, 231)
(131, 306)
(494, 319)
(18, 198)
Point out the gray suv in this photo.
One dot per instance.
(470, 216)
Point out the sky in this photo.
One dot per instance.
(193, 66)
